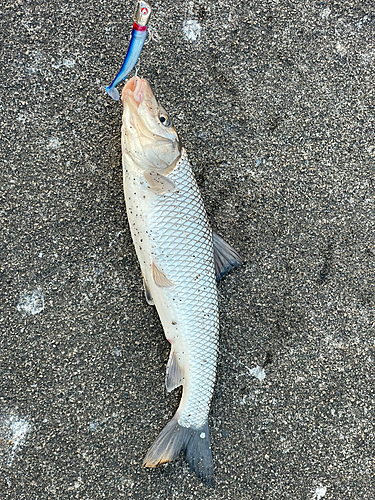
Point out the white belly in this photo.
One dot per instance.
(172, 231)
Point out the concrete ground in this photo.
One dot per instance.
(275, 104)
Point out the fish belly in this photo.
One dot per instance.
(171, 231)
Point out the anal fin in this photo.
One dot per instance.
(226, 257)
(174, 377)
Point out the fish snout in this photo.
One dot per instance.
(134, 90)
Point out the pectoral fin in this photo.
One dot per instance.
(159, 277)
(226, 257)
(159, 183)
(174, 377)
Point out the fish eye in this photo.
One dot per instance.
(164, 119)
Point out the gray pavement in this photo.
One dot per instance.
(275, 104)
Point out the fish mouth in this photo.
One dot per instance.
(135, 91)
(148, 142)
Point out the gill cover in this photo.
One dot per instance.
(148, 135)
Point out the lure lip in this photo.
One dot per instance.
(142, 13)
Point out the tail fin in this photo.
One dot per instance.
(194, 443)
(113, 92)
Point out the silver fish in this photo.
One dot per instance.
(181, 260)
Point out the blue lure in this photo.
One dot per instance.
(139, 34)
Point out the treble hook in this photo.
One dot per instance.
(136, 71)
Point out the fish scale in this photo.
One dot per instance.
(183, 249)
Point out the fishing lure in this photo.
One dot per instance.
(139, 33)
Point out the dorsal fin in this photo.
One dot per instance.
(226, 257)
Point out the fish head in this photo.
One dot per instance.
(148, 135)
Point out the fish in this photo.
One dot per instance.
(142, 15)
(181, 260)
